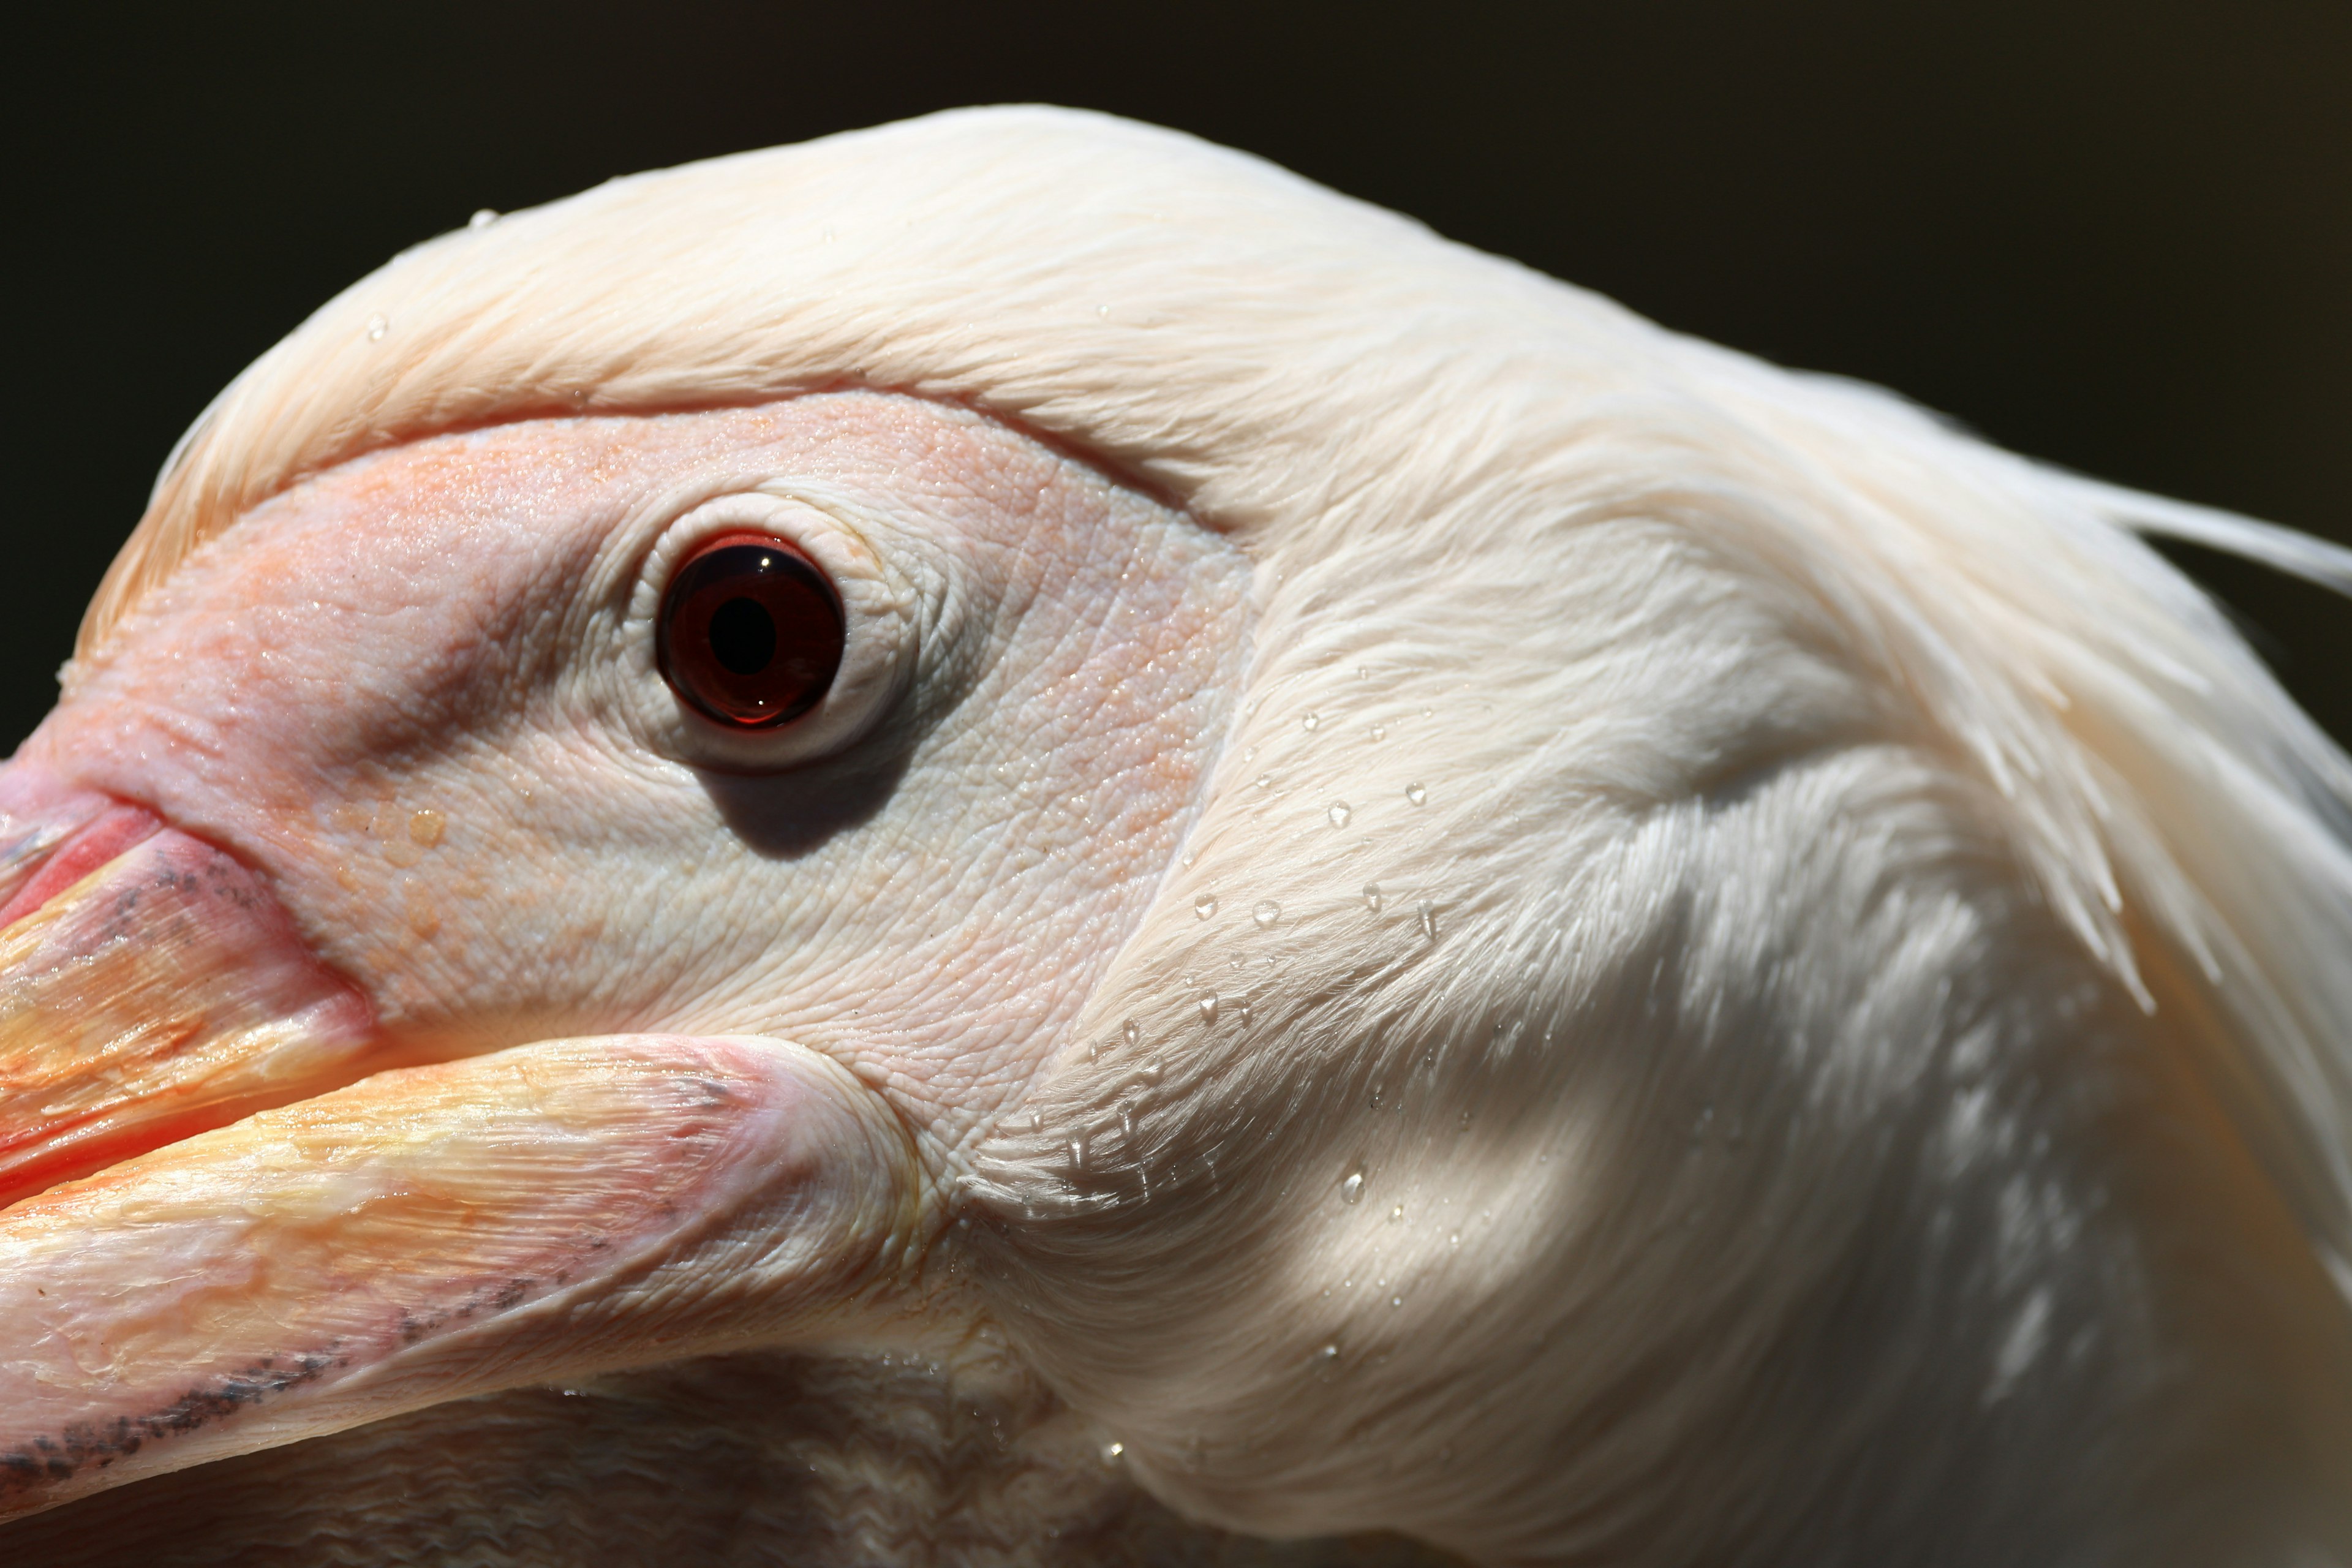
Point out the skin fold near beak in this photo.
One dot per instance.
(265, 1243)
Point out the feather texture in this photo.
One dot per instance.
(1759, 978)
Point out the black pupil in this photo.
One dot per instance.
(751, 632)
(744, 636)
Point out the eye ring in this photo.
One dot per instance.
(750, 631)
(881, 580)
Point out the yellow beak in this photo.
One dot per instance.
(149, 988)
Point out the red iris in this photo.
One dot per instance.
(749, 632)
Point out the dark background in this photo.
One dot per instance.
(2118, 236)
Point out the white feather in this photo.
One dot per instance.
(1853, 1058)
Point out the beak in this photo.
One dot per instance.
(150, 987)
(266, 1244)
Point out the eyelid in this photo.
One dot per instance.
(880, 624)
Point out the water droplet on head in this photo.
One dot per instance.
(1379, 732)
(1396, 1301)
(1376, 1097)
(1205, 905)
(1312, 721)
(1209, 1009)
(1428, 913)
(1372, 897)
(1353, 1187)
(1244, 1008)
(1266, 913)
(1415, 793)
(1263, 781)
(1129, 1033)
(1328, 1354)
(376, 328)
(1338, 814)
(1185, 859)
(1112, 1451)
(1396, 1215)
(1429, 713)
(1149, 1072)
(1454, 1241)
(483, 217)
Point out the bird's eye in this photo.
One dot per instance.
(749, 632)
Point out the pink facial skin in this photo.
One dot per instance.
(400, 693)
(404, 751)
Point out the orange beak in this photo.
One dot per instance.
(275, 1244)
(149, 988)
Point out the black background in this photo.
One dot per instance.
(2116, 236)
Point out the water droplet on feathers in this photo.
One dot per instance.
(1352, 1188)
(1209, 1009)
(1415, 793)
(1372, 897)
(1205, 905)
(1266, 913)
(376, 328)
(1338, 814)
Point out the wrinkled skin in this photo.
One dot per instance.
(438, 628)
(412, 696)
